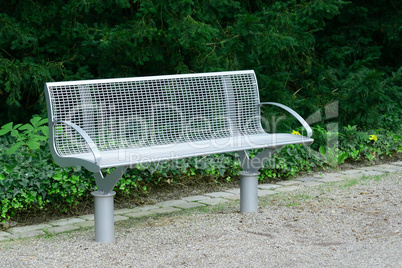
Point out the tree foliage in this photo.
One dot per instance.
(306, 53)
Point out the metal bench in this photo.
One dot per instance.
(123, 122)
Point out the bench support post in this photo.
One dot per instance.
(104, 216)
(248, 191)
(104, 204)
(249, 178)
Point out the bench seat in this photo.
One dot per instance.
(134, 156)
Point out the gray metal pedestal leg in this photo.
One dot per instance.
(248, 191)
(104, 216)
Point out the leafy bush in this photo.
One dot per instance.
(29, 178)
(29, 135)
(370, 145)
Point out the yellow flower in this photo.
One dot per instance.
(296, 132)
(373, 138)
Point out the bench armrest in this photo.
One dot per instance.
(298, 117)
(92, 146)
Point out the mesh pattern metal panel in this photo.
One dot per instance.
(150, 112)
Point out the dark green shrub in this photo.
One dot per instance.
(371, 145)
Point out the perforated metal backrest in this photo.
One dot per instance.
(148, 111)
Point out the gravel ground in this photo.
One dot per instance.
(349, 224)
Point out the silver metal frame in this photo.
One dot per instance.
(123, 122)
(292, 112)
(147, 78)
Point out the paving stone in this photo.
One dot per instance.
(307, 179)
(233, 197)
(90, 220)
(127, 210)
(89, 217)
(329, 174)
(268, 186)
(140, 214)
(190, 205)
(336, 176)
(28, 228)
(27, 234)
(196, 198)
(398, 163)
(218, 194)
(330, 179)
(119, 218)
(262, 193)
(85, 224)
(63, 222)
(146, 208)
(351, 172)
(165, 210)
(347, 177)
(213, 201)
(372, 173)
(358, 173)
(234, 191)
(171, 203)
(369, 168)
(61, 229)
(288, 183)
(287, 189)
(311, 183)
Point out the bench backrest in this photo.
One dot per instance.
(147, 111)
